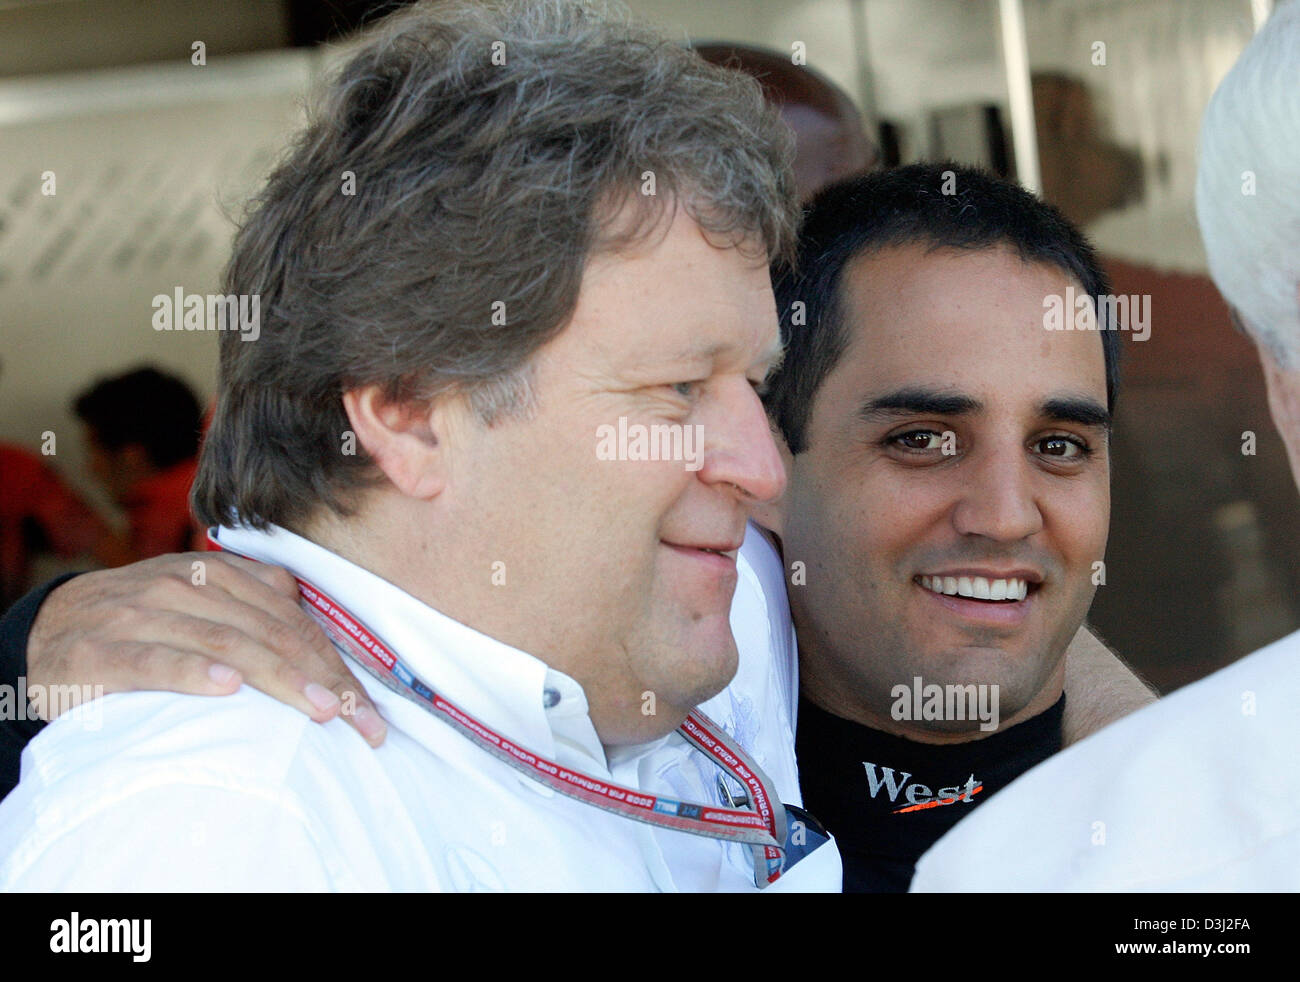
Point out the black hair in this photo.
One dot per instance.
(944, 205)
(145, 407)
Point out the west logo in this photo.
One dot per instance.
(946, 702)
(918, 796)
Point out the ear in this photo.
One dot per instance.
(402, 439)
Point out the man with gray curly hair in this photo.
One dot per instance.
(1198, 791)
(501, 424)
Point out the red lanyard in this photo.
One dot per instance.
(763, 828)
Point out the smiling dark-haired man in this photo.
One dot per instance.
(948, 498)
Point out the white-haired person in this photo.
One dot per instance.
(1198, 791)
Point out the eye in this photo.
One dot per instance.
(1063, 447)
(685, 389)
(918, 440)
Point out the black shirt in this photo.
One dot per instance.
(14, 628)
(887, 799)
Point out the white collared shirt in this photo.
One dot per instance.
(241, 793)
(1195, 792)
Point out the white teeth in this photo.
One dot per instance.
(977, 587)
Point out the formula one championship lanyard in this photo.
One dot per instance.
(762, 828)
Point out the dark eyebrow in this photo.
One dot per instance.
(1077, 409)
(917, 402)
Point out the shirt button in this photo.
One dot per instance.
(550, 698)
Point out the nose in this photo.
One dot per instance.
(738, 446)
(997, 497)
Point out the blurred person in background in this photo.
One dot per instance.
(143, 430)
(1198, 791)
(830, 140)
(40, 513)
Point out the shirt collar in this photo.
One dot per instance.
(509, 690)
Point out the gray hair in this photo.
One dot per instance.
(1251, 135)
(492, 145)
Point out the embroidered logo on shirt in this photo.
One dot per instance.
(917, 796)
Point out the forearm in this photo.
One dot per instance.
(1099, 687)
(198, 623)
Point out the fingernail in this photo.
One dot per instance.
(221, 674)
(321, 697)
(370, 724)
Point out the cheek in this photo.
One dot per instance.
(898, 511)
(607, 478)
(862, 539)
(1082, 521)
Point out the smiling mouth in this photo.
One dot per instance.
(1006, 590)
